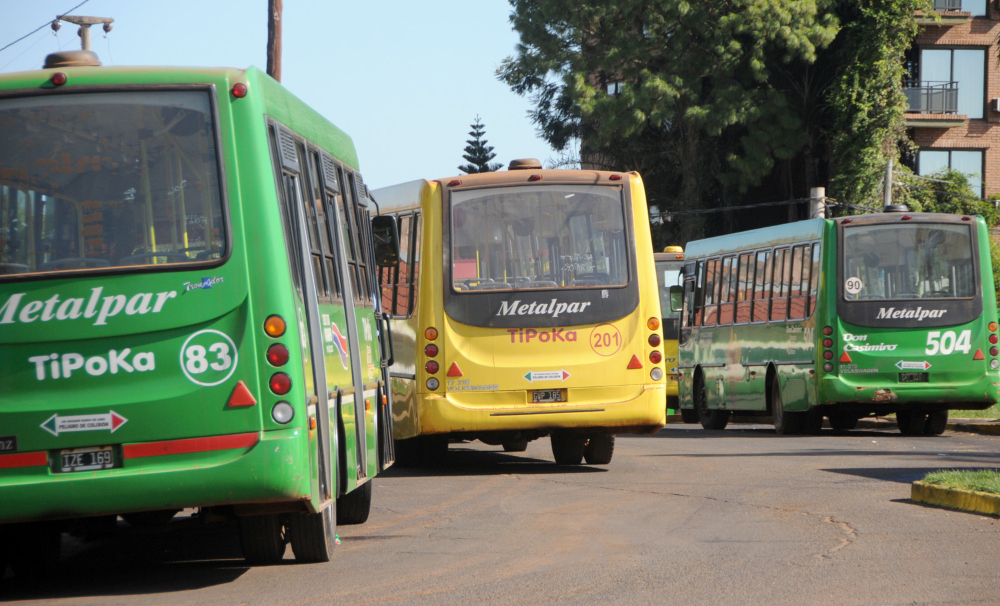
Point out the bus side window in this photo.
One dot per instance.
(415, 272)
(405, 286)
(744, 298)
(799, 295)
(363, 225)
(312, 225)
(727, 292)
(323, 220)
(779, 296)
(349, 234)
(388, 277)
(760, 294)
(711, 292)
(814, 278)
(699, 293)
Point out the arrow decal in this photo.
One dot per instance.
(111, 421)
(546, 375)
(913, 365)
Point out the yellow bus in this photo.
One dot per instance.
(669, 265)
(524, 305)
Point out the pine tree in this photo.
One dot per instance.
(478, 153)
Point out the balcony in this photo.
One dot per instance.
(949, 12)
(932, 104)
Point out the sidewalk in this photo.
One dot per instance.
(980, 426)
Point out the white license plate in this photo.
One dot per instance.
(547, 395)
(90, 458)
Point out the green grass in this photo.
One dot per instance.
(993, 412)
(983, 480)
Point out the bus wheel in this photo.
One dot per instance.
(689, 415)
(34, 547)
(567, 448)
(263, 539)
(599, 449)
(313, 535)
(812, 422)
(937, 421)
(354, 507)
(785, 423)
(519, 445)
(911, 422)
(841, 421)
(710, 419)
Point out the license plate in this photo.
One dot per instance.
(913, 377)
(547, 395)
(86, 459)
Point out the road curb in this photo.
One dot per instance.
(965, 500)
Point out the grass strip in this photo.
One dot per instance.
(982, 480)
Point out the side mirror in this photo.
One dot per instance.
(386, 241)
(676, 298)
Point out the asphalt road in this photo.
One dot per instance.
(683, 517)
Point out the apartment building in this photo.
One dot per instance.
(953, 92)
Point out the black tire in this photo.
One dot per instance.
(709, 419)
(599, 449)
(313, 535)
(567, 448)
(911, 422)
(840, 421)
(150, 519)
(263, 539)
(937, 422)
(354, 507)
(812, 422)
(785, 423)
(689, 415)
(516, 445)
(34, 548)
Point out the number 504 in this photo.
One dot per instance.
(946, 342)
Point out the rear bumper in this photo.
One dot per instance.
(638, 409)
(242, 468)
(982, 391)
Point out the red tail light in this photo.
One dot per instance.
(277, 354)
(280, 383)
(431, 350)
(431, 367)
(655, 357)
(654, 340)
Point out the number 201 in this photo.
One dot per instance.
(946, 342)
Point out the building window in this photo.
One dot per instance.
(930, 161)
(615, 87)
(966, 67)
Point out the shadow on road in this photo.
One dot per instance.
(902, 475)
(763, 431)
(470, 462)
(181, 556)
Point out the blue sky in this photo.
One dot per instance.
(403, 78)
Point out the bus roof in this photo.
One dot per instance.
(399, 196)
(502, 178)
(757, 238)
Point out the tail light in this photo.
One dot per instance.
(655, 356)
(431, 367)
(654, 340)
(431, 333)
(277, 355)
(431, 350)
(274, 326)
(280, 383)
(653, 324)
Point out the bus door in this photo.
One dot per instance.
(306, 247)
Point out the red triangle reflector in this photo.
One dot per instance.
(845, 357)
(454, 371)
(979, 355)
(634, 363)
(241, 397)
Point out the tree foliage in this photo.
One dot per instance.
(719, 103)
(477, 153)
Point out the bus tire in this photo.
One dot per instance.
(841, 421)
(599, 449)
(812, 422)
(263, 539)
(911, 422)
(689, 415)
(785, 423)
(937, 422)
(313, 535)
(567, 448)
(33, 547)
(519, 445)
(354, 507)
(710, 419)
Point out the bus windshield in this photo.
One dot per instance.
(559, 236)
(912, 261)
(100, 180)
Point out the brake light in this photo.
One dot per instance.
(431, 350)
(277, 354)
(655, 356)
(654, 340)
(431, 367)
(280, 383)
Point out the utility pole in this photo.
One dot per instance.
(84, 23)
(274, 39)
(817, 203)
(887, 192)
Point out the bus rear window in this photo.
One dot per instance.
(558, 236)
(100, 180)
(915, 261)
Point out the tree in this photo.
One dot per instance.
(718, 103)
(477, 153)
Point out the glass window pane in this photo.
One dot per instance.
(971, 164)
(970, 73)
(935, 65)
(930, 162)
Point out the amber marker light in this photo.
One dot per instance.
(993, 326)
(274, 326)
(239, 90)
(58, 79)
(430, 334)
(653, 323)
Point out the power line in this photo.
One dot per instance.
(42, 26)
(938, 191)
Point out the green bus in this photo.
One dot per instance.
(841, 318)
(188, 309)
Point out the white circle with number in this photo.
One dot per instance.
(208, 357)
(853, 285)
